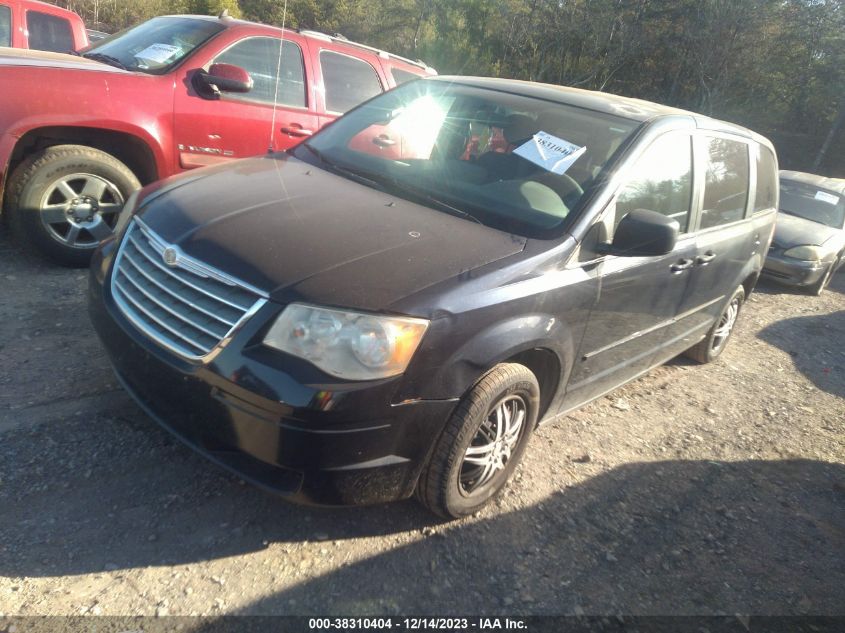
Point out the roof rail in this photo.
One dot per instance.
(337, 37)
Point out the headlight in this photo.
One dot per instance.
(805, 253)
(346, 344)
(126, 214)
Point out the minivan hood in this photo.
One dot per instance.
(45, 59)
(301, 233)
(794, 231)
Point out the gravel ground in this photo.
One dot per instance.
(694, 490)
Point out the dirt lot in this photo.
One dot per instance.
(696, 489)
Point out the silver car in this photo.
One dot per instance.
(809, 242)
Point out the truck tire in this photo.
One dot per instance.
(65, 199)
(482, 443)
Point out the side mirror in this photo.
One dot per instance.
(225, 78)
(644, 233)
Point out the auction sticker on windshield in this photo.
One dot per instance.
(827, 197)
(550, 152)
(158, 53)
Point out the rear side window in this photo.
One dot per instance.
(49, 33)
(259, 56)
(401, 76)
(767, 180)
(5, 25)
(661, 181)
(725, 182)
(348, 81)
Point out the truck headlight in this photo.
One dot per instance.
(350, 345)
(805, 253)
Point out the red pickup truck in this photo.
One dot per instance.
(40, 26)
(79, 134)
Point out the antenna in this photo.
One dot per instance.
(278, 79)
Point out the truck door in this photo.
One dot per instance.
(209, 130)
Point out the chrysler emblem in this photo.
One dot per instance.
(170, 256)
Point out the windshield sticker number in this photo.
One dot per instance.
(827, 197)
(550, 152)
(158, 53)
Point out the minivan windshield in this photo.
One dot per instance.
(513, 162)
(811, 203)
(154, 46)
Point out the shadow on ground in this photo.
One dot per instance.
(827, 370)
(660, 537)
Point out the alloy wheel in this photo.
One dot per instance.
(726, 325)
(80, 210)
(494, 443)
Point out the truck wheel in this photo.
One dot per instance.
(482, 442)
(64, 200)
(712, 346)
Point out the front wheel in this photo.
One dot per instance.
(65, 199)
(712, 346)
(482, 442)
(818, 287)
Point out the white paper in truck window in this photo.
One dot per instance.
(824, 196)
(158, 53)
(550, 152)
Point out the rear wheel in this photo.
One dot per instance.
(712, 346)
(64, 200)
(482, 442)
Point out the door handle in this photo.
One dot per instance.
(757, 240)
(294, 129)
(681, 265)
(383, 140)
(703, 260)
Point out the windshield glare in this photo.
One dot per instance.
(156, 45)
(512, 162)
(812, 203)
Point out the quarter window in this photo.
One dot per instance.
(5, 25)
(725, 182)
(402, 76)
(661, 181)
(767, 180)
(259, 56)
(348, 81)
(49, 33)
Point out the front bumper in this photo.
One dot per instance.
(270, 419)
(791, 271)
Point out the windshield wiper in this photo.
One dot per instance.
(352, 173)
(427, 197)
(106, 59)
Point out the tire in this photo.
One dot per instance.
(454, 484)
(65, 199)
(712, 346)
(817, 288)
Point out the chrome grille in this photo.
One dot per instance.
(183, 305)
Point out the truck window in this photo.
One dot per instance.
(348, 81)
(5, 25)
(725, 182)
(401, 76)
(767, 180)
(259, 56)
(49, 33)
(661, 181)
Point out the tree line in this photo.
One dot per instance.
(776, 66)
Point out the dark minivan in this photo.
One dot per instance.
(393, 305)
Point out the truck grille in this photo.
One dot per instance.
(177, 301)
